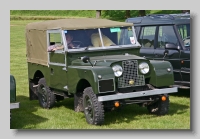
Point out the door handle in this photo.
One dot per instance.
(156, 55)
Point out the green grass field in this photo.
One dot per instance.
(31, 116)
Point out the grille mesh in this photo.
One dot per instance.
(130, 71)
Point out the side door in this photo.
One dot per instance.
(184, 33)
(146, 38)
(167, 35)
(185, 66)
(57, 59)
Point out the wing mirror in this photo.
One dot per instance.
(86, 59)
(172, 46)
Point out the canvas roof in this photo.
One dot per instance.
(75, 23)
(36, 36)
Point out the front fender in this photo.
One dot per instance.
(160, 77)
(89, 73)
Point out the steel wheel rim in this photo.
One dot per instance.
(43, 94)
(89, 111)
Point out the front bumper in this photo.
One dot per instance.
(14, 105)
(138, 94)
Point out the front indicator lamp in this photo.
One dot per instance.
(163, 98)
(116, 104)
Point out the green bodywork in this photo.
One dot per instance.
(76, 73)
(65, 71)
(96, 62)
(12, 89)
(159, 75)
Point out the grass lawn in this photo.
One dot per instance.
(31, 116)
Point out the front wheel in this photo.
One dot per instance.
(93, 109)
(160, 107)
(45, 95)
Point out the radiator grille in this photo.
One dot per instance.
(130, 71)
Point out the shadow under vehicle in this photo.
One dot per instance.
(99, 78)
(166, 37)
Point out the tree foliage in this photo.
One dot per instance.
(98, 13)
(123, 14)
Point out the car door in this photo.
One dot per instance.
(146, 39)
(183, 31)
(57, 59)
(185, 66)
(165, 34)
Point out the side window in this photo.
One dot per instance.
(55, 40)
(126, 36)
(166, 35)
(128, 33)
(184, 32)
(146, 38)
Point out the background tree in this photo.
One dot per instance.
(98, 13)
(128, 14)
(142, 13)
(186, 11)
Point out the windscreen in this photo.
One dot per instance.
(100, 37)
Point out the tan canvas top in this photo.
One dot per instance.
(36, 36)
(76, 23)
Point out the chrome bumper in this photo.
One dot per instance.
(14, 105)
(138, 94)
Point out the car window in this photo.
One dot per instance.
(127, 36)
(184, 31)
(101, 37)
(166, 35)
(55, 39)
(146, 38)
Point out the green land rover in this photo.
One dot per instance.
(13, 100)
(99, 77)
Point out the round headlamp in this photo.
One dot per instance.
(117, 70)
(144, 68)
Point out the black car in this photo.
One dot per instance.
(166, 37)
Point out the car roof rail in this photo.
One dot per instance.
(134, 20)
(181, 14)
(161, 16)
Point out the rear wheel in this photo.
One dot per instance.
(93, 109)
(160, 107)
(45, 95)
